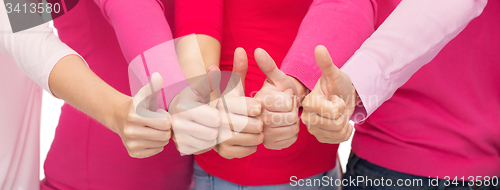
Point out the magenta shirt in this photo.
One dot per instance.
(84, 153)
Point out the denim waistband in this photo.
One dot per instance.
(359, 165)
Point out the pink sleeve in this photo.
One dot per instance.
(146, 42)
(139, 25)
(409, 38)
(199, 17)
(340, 25)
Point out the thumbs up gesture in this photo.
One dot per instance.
(278, 97)
(329, 106)
(195, 123)
(241, 127)
(145, 131)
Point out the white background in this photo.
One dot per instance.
(51, 109)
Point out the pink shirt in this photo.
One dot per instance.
(110, 34)
(442, 120)
(273, 26)
(26, 60)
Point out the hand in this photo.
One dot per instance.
(278, 96)
(194, 122)
(329, 106)
(241, 128)
(145, 132)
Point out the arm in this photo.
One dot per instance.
(59, 70)
(409, 38)
(143, 32)
(341, 26)
(35, 50)
(204, 18)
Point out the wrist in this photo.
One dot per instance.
(120, 110)
(357, 99)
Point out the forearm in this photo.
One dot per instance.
(339, 25)
(210, 50)
(203, 18)
(409, 38)
(74, 82)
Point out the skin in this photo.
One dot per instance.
(329, 106)
(242, 111)
(242, 115)
(195, 121)
(143, 134)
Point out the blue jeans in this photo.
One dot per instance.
(362, 169)
(205, 181)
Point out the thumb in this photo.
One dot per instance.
(268, 66)
(147, 94)
(240, 64)
(328, 70)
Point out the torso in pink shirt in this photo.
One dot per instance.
(87, 155)
(445, 121)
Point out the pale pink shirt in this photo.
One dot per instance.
(26, 60)
(409, 38)
(440, 121)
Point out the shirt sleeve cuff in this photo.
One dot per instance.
(308, 77)
(199, 28)
(370, 82)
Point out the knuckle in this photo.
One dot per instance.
(224, 152)
(305, 119)
(342, 105)
(295, 129)
(259, 125)
(134, 118)
(132, 146)
(305, 103)
(129, 132)
(217, 119)
(165, 143)
(269, 145)
(345, 132)
(247, 152)
(339, 122)
(329, 134)
(325, 140)
(166, 124)
(166, 136)
(267, 131)
(260, 138)
(133, 154)
(213, 134)
(312, 131)
(213, 143)
(334, 126)
(176, 122)
(295, 117)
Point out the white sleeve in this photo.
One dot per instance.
(35, 50)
